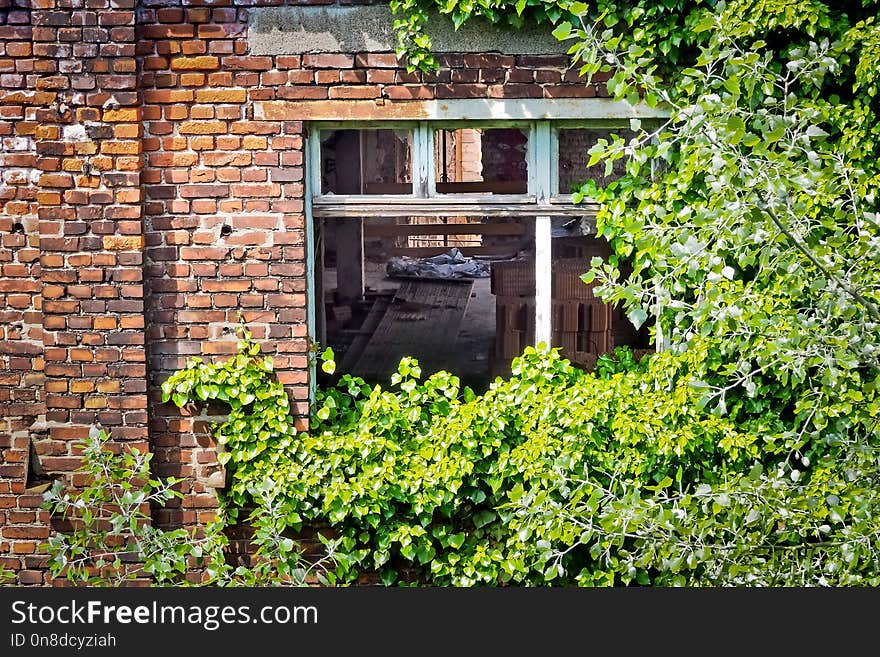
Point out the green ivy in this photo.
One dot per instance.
(418, 478)
(658, 25)
(259, 410)
(746, 453)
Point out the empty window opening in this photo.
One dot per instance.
(481, 161)
(422, 288)
(361, 162)
(472, 252)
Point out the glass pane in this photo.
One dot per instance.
(481, 161)
(366, 162)
(574, 155)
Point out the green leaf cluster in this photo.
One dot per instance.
(746, 453)
(109, 538)
(561, 477)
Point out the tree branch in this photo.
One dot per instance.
(867, 304)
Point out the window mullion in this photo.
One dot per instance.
(423, 160)
(541, 159)
(313, 144)
(543, 277)
(543, 236)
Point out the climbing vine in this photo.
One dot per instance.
(660, 26)
(747, 452)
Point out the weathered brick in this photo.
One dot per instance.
(221, 95)
(247, 63)
(351, 92)
(120, 242)
(462, 91)
(202, 128)
(126, 115)
(407, 92)
(202, 63)
(377, 60)
(203, 190)
(256, 190)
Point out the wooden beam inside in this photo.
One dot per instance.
(352, 208)
(428, 251)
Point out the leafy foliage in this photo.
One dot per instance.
(113, 541)
(747, 452)
(560, 476)
(622, 359)
(657, 25)
(258, 417)
(757, 236)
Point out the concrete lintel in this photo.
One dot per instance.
(468, 109)
(336, 29)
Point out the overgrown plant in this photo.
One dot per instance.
(756, 239)
(747, 452)
(425, 480)
(259, 419)
(656, 24)
(112, 540)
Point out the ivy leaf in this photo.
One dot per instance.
(455, 541)
(328, 365)
(483, 518)
(562, 31)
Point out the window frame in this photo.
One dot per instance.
(541, 202)
(541, 195)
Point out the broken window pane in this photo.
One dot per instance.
(574, 157)
(366, 162)
(481, 161)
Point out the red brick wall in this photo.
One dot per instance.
(224, 195)
(153, 209)
(224, 221)
(20, 321)
(77, 347)
(21, 344)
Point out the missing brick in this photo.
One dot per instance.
(36, 480)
